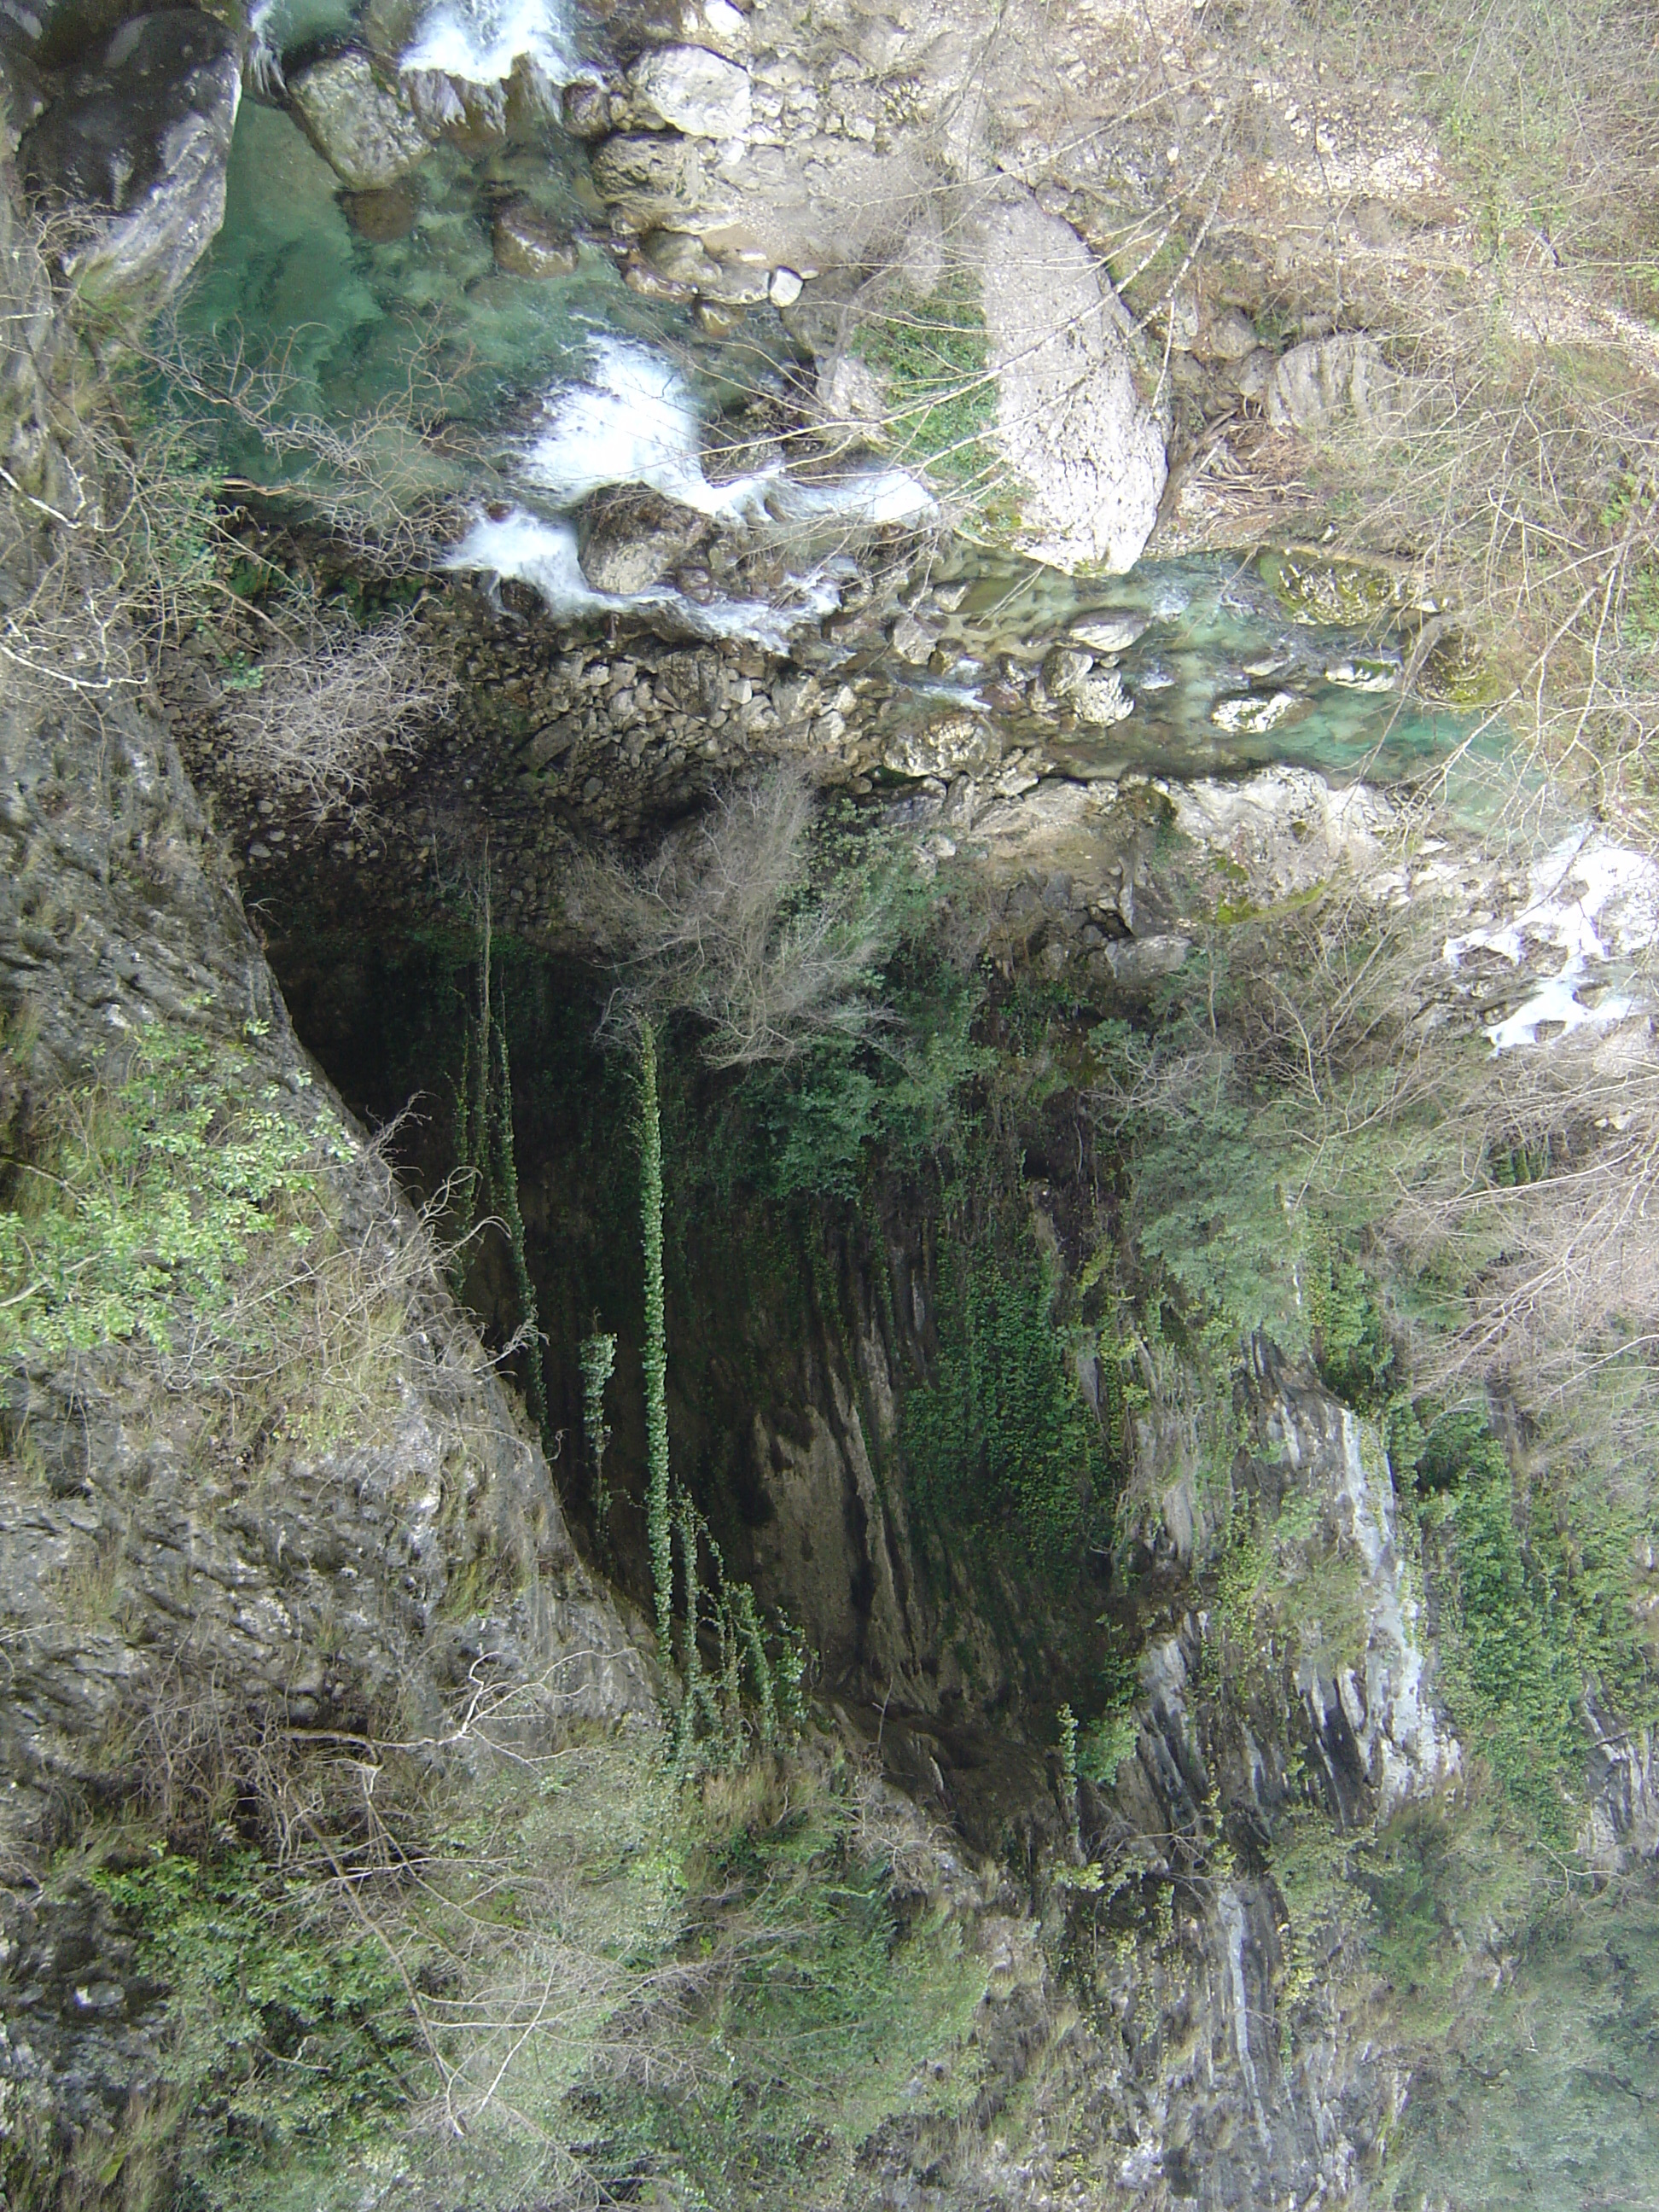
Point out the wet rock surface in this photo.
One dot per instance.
(529, 243)
(368, 135)
(141, 139)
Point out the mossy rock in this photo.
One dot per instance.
(1315, 591)
(1456, 672)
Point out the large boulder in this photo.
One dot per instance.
(1318, 384)
(684, 89)
(631, 537)
(141, 141)
(650, 179)
(367, 135)
(1084, 451)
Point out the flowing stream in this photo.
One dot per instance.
(548, 390)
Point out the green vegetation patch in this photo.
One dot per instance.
(930, 353)
(287, 2022)
(828, 2008)
(151, 1195)
(1000, 1435)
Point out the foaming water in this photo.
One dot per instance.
(633, 419)
(541, 551)
(277, 26)
(479, 41)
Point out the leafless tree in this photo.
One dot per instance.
(725, 924)
(333, 707)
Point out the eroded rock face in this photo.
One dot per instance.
(366, 134)
(144, 135)
(158, 1577)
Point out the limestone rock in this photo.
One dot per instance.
(1100, 698)
(145, 134)
(683, 259)
(686, 89)
(632, 538)
(1064, 667)
(1252, 713)
(367, 136)
(1255, 374)
(1365, 675)
(651, 179)
(1229, 336)
(1317, 383)
(954, 745)
(529, 243)
(850, 394)
(586, 109)
(1085, 450)
(1108, 631)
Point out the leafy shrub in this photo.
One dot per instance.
(1511, 1683)
(1355, 1355)
(294, 2027)
(814, 1127)
(155, 1188)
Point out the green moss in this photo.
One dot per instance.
(1323, 591)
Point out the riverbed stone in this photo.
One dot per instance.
(630, 538)
(1108, 632)
(383, 216)
(686, 89)
(367, 135)
(1252, 713)
(528, 242)
(1100, 698)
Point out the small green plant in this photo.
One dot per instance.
(1066, 1726)
(658, 1505)
(157, 1185)
(1511, 1682)
(1351, 1347)
(598, 1358)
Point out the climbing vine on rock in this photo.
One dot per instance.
(597, 1357)
(659, 1530)
(487, 1160)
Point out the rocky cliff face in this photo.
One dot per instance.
(196, 1574)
